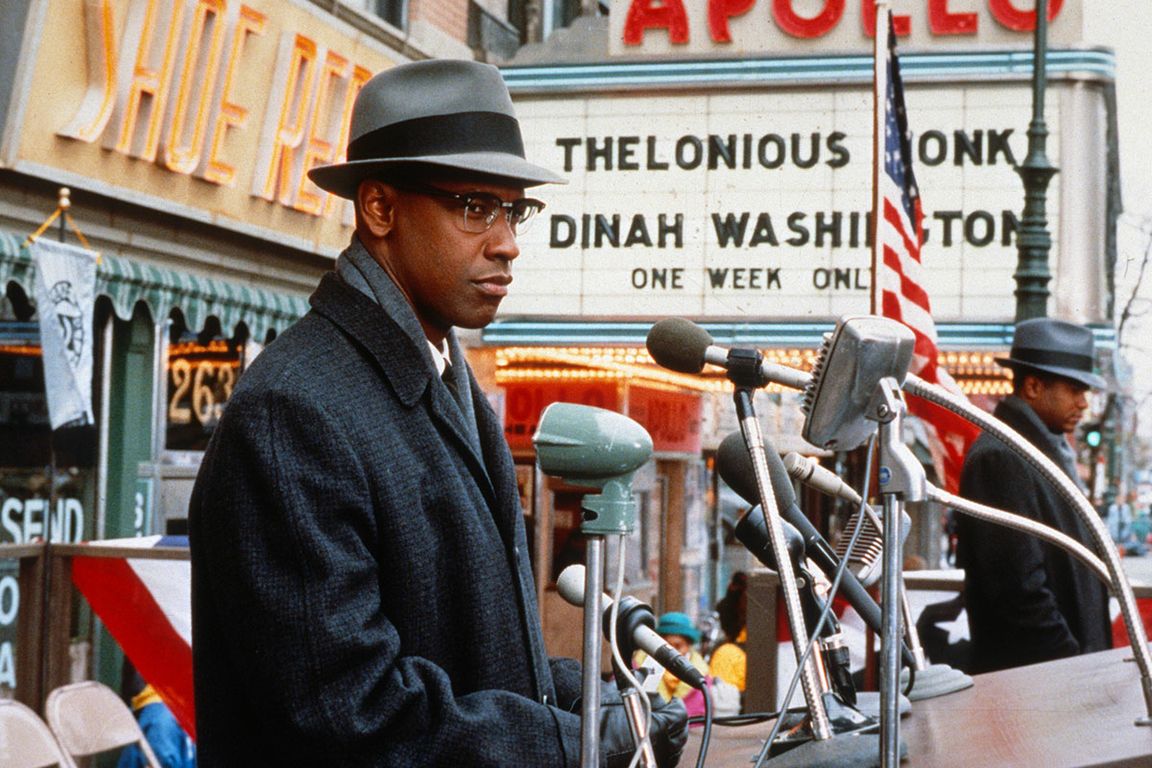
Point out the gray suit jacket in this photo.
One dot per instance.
(362, 594)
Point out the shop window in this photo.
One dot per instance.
(47, 478)
(395, 12)
(546, 16)
(202, 368)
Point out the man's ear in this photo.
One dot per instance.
(375, 208)
(1031, 387)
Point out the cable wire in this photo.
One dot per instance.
(625, 669)
(706, 737)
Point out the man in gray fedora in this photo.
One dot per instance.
(1029, 601)
(362, 594)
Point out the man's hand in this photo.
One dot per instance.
(669, 734)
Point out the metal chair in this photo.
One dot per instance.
(26, 741)
(88, 718)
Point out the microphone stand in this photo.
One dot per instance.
(590, 673)
(852, 747)
(611, 512)
(902, 480)
(810, 682)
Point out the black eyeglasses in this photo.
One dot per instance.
(481, 208)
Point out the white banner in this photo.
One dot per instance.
(65, 294)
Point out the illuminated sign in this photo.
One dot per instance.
(214, 109)
(788, 27)
(756, 203)
(200, 382)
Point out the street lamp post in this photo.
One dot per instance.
(1032, 240)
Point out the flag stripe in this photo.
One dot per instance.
(139, 625)
(900, 279)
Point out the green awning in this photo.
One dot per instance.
(126, 281)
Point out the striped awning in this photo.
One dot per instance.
(126, 282)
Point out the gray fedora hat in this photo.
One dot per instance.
(1054, 347)
(448, 113)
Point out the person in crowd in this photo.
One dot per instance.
(1029, 601)
(681, 633)
(169, 742)
(729, 661)
(362, 594)
(1120, 521)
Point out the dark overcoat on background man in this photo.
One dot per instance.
(345, 453)
(1028, 601)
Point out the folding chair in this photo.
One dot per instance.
(26, 741)
(89, 718)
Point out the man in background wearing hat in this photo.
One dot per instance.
(362, 594)
(1027, 600)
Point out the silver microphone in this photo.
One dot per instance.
(809, 471)
(861, 351)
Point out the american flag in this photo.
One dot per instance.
(897, 270)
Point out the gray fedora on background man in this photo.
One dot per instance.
(1054, 347)
(449, 113)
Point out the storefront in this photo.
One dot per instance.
(177, 136)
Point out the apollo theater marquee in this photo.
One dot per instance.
(720, 161)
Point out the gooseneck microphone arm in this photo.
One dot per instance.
(1024, 525)
(810, 681)
(1121, 588)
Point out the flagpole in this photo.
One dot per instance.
(879, 118)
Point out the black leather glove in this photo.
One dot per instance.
(669, 734)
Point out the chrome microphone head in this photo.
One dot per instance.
(859, 353)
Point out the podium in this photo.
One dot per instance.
(1071, 713)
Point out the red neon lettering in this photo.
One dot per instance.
(656, 14)
(719, 11)
(943, 22)
(798, 26)
(1020, 21)
(902, 23)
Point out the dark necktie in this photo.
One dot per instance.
(449, 380)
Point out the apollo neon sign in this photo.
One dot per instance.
(761, 24)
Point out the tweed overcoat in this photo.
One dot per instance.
(362, 594)
(1027, 601)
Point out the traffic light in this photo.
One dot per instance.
(1092, 435)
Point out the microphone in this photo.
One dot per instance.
(638, 627)
(735, 468)
(861, 351)
(811, 473)
(752, 532)
(683, 346)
